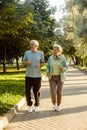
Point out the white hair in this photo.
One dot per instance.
(58, 47)
(35, 42)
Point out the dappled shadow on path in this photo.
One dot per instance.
(25, 116)
(71, 89)
(74, 90)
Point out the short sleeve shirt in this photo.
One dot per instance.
(36, 58)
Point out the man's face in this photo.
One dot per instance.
(33, 47)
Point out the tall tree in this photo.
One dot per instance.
(73, 24)
(43, 25)
(13, 18)
(22, 21)
(43, 22)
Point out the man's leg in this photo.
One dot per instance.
(28, 86)
(36, 90)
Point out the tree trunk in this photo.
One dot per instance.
(4, 58)
(17, 63)
(73, 59)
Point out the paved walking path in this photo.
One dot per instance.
(73, 115)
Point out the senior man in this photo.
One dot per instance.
(34, 60)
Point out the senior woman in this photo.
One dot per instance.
(56, 71)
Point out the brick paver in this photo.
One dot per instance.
(73, 115)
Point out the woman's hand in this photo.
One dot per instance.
(48, 75)
(62, 69)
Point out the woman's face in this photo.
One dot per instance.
(56, 51)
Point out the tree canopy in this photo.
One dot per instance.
(21, 22)
(33, 19)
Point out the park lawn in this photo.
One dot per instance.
(12, 88)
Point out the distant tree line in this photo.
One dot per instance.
(21, 21)
(72, 31)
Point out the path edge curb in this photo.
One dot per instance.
(4, 121)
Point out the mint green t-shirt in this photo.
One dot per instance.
(36, 58)
(55, 67)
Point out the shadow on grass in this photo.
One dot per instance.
(14, 72)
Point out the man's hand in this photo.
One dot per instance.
(38, 66)
(29, 61)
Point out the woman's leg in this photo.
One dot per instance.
(53, 90)
(59, 91)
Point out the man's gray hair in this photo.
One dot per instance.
(35, 42)
(58, 47)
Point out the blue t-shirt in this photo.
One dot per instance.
(36, 58)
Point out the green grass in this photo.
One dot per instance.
(12, 87)
(43, 69)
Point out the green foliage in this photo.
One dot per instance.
(75, 30)
(20, 22)
(81, 27)
(13, 18)
(42, 26)
(78, 11)
(81, 4)
(85, 61)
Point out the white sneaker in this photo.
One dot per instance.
(54, 108)
(37, 109)
(30, 109)
(58, 108)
